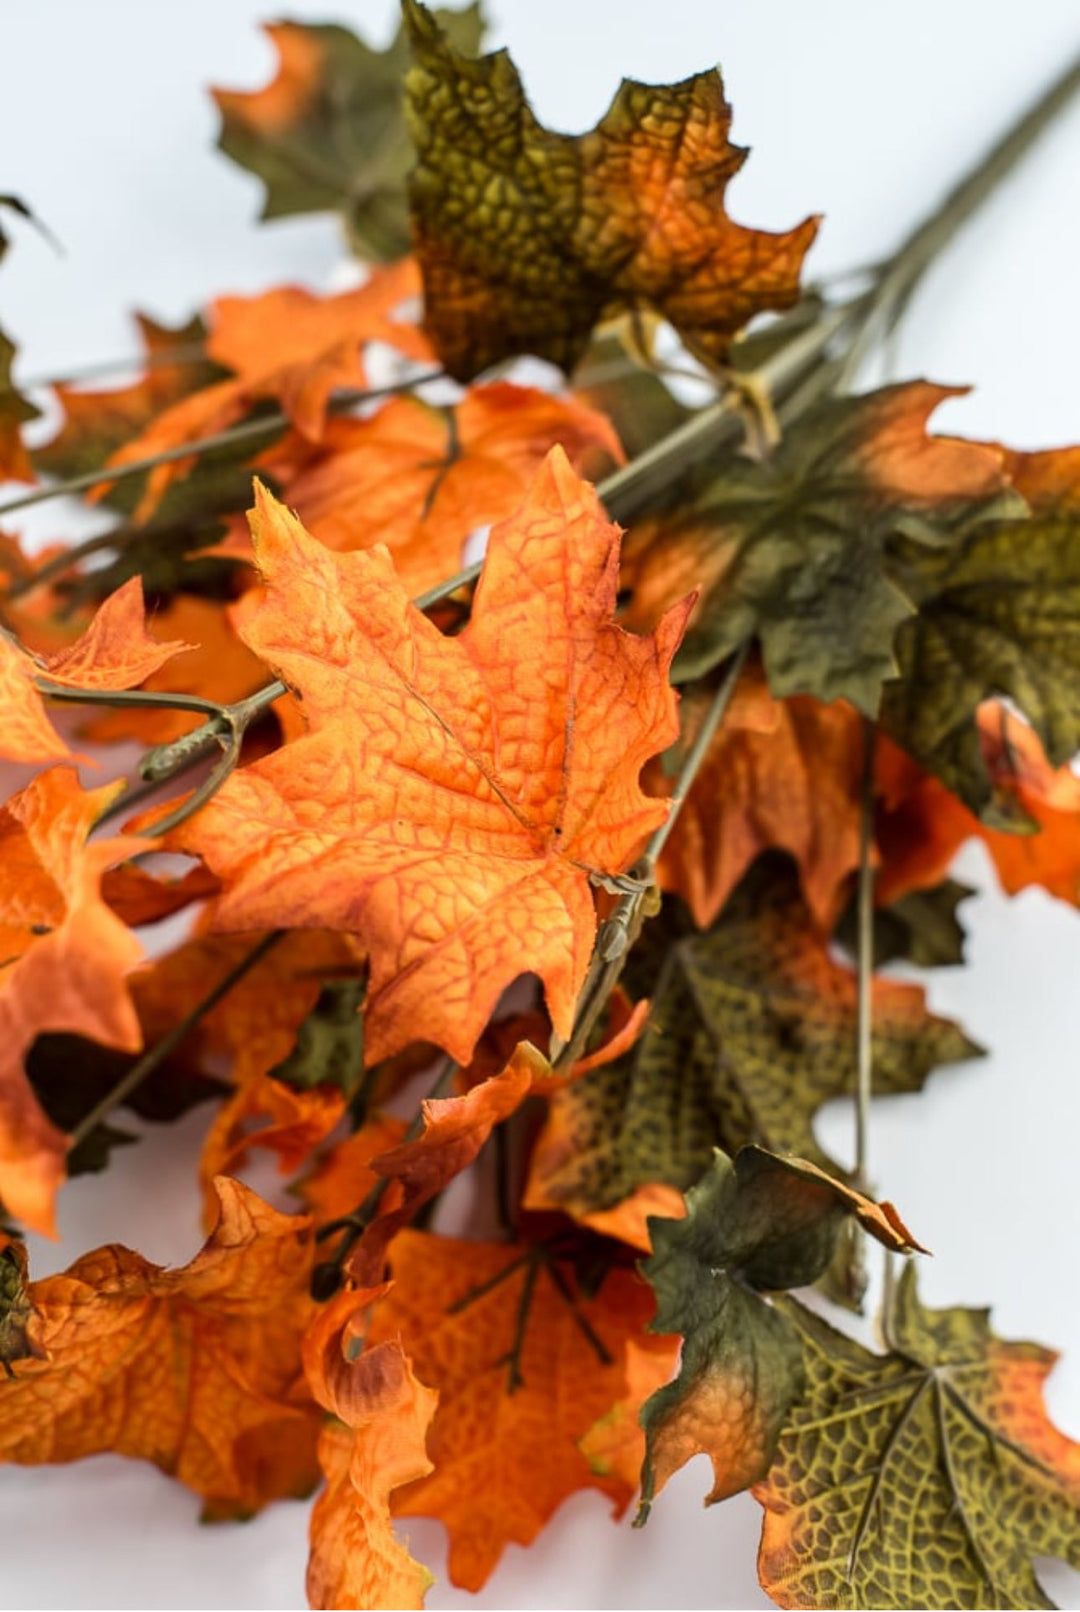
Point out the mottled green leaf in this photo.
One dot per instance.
(528, 238)
(752, 1028)
(929, 1476)
(329, 1048)
(328, 133)
(15, 410)
(760, 1222)
(921, 927)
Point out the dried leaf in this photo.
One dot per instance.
(328, 134)
(451, 794)
(196, 1369)
(760, 1222)
(528, 238)
(929, 1476)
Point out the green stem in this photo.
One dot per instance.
(169, 1043)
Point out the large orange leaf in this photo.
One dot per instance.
(196, 1369)
(452, 794)
(527, 237)
(115, 652)
(420, 479)
(376, 1444)
(65, 960)
(505, 1460)
(288, 345)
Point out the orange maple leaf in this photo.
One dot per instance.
(65, 960)
(115, 652)
(453, 794)
(376, 1444)
(288, 345)
(504, 1461)
(197, 1369)
(421, 479)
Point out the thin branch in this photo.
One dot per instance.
(864, 1010)
(168, 1043)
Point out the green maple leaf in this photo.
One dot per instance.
(528, 238)
(328, 134)
(929, 1476)
(756, 1223)
(751, 1030)
(329, 1046)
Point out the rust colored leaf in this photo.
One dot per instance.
(615, 1444)
(455, 1129)
(452, 794)
(377, 1444)
(528, 238)
(421, 479)
(115, 652)
(66, 958)
(286, 345)
(474, 1317)
(785, 775)
(197, 1370)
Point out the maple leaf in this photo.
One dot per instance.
(504, 1461)
(783, 774)
(421, 479)
(758, 1222)
(15, 410)
(327, 134)
(451, 794)
(20, 1321)
(995, 618)
(287, 345)
(528, 238)
(921, 927)
(929, 1476)
(115, 652)
(751, 1029)
(793, 548)
(377, 1444)
(196, 1369)
(454, 1131)
(65, 961)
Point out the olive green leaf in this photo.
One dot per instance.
(19, 1320)
(921, 927)
(929, 1476)
(328, 134)
(794, 548)
(15, 410)
(997, 615)
(528, 238)
(758, 1223)
(751, 1029)
(329, 1048)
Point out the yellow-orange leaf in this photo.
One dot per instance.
(66, 956)
(452, 794)
(196, 1369)
(377, 1444)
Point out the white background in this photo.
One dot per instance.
(863, 112)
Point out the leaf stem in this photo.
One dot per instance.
(864, 957)
(168, 1043)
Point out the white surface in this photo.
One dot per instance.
(865, 113)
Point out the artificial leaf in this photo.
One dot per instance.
(455, 1129)
(451, 794)
(328, 134)
(779, 773)
(929, 1476)
(97, 423)
(921, 927)
(758, 1222)
(528, 238)
(793, 548)
(15, 410)
(421, 479)
(275, 1118)
(751, 1029)
(115, 652)
(288, 346)
(475, 1318)
(615, 1444)
(196, 1369)
(20, 1321)
(65, 961)
(140, 897)
(996, 617)
(376, 1445)
(329, 1048)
